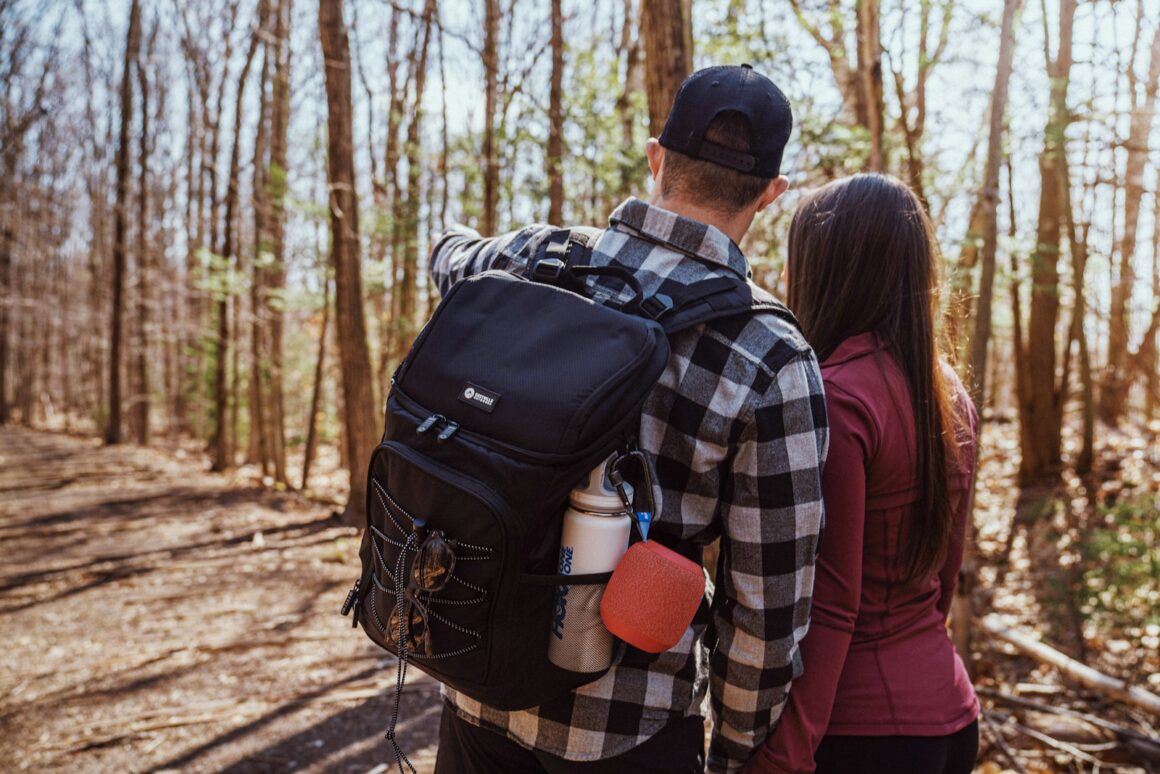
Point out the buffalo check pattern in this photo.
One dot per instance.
(736, 429)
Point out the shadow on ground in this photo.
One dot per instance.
(161, 618)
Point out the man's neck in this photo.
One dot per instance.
(734, 227)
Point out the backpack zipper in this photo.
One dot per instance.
(351, 597)
(452, 428)
(449, 426)
(430, 422)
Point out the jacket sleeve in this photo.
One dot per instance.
(837, 592)
(771, 511)
(461, 252)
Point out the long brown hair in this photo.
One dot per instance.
(863, 257)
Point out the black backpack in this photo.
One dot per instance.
(513, 392)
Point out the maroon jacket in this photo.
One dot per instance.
(877, 658)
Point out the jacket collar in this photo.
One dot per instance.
(855, 347)
(684, 235)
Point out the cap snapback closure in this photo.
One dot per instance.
(739, 160)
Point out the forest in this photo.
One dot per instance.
(215, 218)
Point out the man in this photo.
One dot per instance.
(736, 429)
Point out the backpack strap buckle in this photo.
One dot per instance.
(655, 305)
(549, 271)
(557, 254)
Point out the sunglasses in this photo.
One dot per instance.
(431, 571)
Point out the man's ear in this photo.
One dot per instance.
(776, 188)
(655, 154)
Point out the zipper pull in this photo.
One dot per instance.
(429, 422)
(448, 431)
(351, 596)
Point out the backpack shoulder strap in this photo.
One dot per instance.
(684, 307)
(715, 299)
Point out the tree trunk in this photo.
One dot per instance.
(1078, 245)
(1039, 428)
(1146, 357)
(1116, 378)
(223, 453)
(358, 393)
(488, 223)
(630, 51)
(259, 446)
(184, 373)
(140, 405)
(666, 29)
(276, 282)
(988, 205)
(316, 392)
(869, 41)
(132, 52)
(1018, 340)
(444, 134)
(556, 119)
(7, 240)
(206, 310)
(387, 199)
(410, 212)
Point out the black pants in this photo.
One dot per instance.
(953, 754)
(464, 748)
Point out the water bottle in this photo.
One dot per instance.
(595, 537)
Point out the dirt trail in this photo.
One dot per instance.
(156, 617)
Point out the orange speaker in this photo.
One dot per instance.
(652, 596)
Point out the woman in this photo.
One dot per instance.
(883, 688)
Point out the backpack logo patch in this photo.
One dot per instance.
(474, 395)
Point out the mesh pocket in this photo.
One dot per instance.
(422, 516)
(579, 642)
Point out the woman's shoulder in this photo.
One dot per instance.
(857, 380)
(862, 370)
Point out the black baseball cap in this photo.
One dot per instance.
(707, 93)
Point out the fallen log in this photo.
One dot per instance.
(1122, 731)
(1075, 670)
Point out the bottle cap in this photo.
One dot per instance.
(596, 493)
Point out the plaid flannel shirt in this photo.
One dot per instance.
(736, 429)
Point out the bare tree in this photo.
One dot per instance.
(358, 394)
(1039, 404)
(259, 451)
(1116, 378)
(20, 110)
(490, 56)
(913, 128)
(386, 187)
(858, 73)
(1077, 238)
(1146, 356)
(132, 52)
(555, 156)
(666, 28)
(410, 211)
(629, 51)
(140, 407)
(316, 390)
(223, 450)
(275, 284)
(985, 216)
(868, 37)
